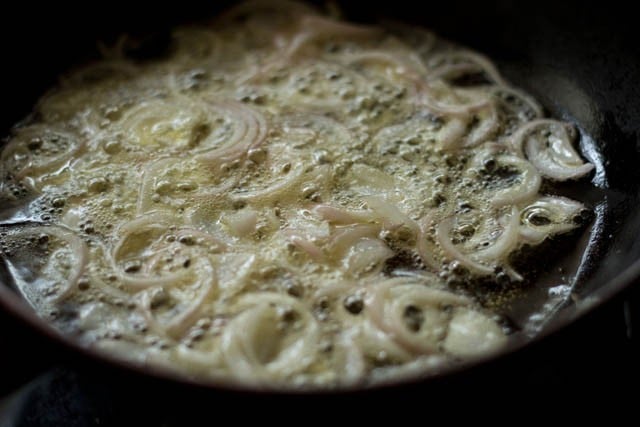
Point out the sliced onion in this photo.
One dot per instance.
(77, 247)
(20, 158)
(242, 223)
(346, 237)
(401, 66)
(348, 358)
(527, 188)
(179, 323)
(368, 180)
(305, 245)
(155, 223)
(489, 124)
(553, 155)
(555, 216)
(401, 63)
(342, 216)
(366, 256)
(504, 244)
(453, 132)
(506, 95)
(390, 215)
(455, 62)
(443, 231)
(472, 333)
(444, 100)
(249, 130)
(425, 247)
(387, 305)
(257, 350)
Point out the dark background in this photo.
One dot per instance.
(593, 359)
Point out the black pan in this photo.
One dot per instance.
(581, 62)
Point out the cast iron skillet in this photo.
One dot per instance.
(579, 61)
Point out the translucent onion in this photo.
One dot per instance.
(482, 261)
(79, 255)
(157, 224)
(242, 223)
(548, 216)
(348, 357)
(489, 124)
(390, 215)
(447, 101)
(20, 155)
(453, 63)
(387, 307)
(472, 333)
(346, 237)
(507, 96)
(505, 244)
(178, 324)
(366, 256)
(305, 245)
(342, 216)
(528, 186)
(250, 130)
(547, 144)
(425, 246)
(257, 350)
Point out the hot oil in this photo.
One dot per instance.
(144, 208)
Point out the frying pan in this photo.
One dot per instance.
(580, 61)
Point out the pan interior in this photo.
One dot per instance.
(529, 54)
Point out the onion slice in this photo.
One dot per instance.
(256, 350)
(548, 216)
(178, 325)
(462, 62)
(387, 305)
(484, 261)
(249, 132)
(528, 186)
(75, 244)
(547, 144)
